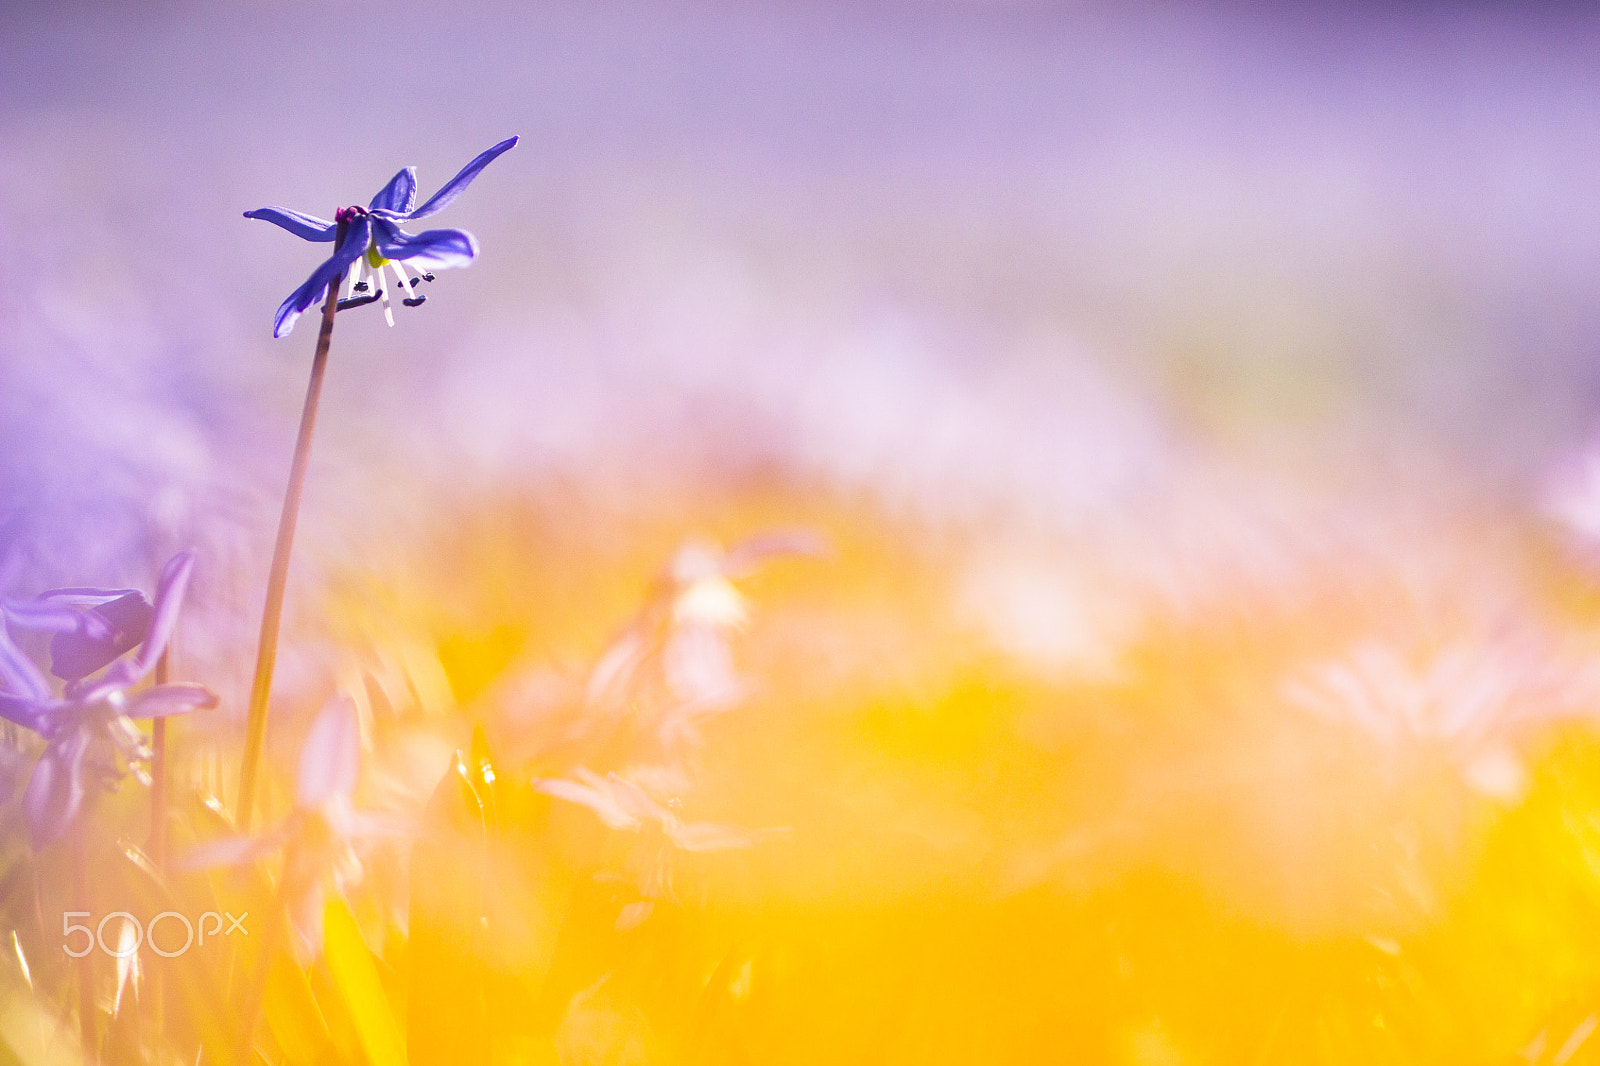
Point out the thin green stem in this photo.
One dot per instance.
(88, 1011)
(254, 994)
(158, 830)
(277, 579)
(158, 773)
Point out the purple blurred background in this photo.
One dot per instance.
(1168, 278)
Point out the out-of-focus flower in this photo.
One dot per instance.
(322, 834)
(674, 657)
(374, 240)
(90, 627)
(1464, 701)
(90, 729)
(622, 804)
(1574, 498)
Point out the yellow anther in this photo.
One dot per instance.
(375, 259)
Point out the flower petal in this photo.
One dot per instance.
(440, 249)
(161, 701)
(709, 836)
(306, 911)
(631, 798)
(456, 185)
(170, 589)
(633, 915)
(744, 558)
(330, 761)
(298, 223)
(83, 597)
(361, 826)
(229, 851)
(38, 617)
(103, 633)
(349, 250)
(400, 195)
(30, 714)
(18, 675)
(598, 800)
(55, 791)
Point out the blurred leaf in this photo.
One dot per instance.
(447, 1014)
(192, 979)
(355, 975)
(292, 1014)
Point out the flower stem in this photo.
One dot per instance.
(158, 828)
(254, 994)
(88, 1013)
(277, 579)
(158, 774)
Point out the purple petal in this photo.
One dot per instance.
(699, 666)
(57, 615)
(10, 556)
(330, 761)
(84, 597)
(400, 195)
(55, 791)
(355, 242)
(102, 634)
(633, 915)
(745, 557)
(631, 798)
(456, 185)
(611, 676)
(161, 701)
(598, 800)
(440, 249)
(709, 836)
(229, 851)
(298, 223)
(18, 675)
(170, 589)
(306, 912)
(31, 714)
(377, 825)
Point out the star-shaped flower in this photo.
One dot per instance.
(324, 832)
(674, 661)
(373, 240)
(90, 728)
(622, 804)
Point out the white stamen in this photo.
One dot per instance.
(405, 282)
(388, 311)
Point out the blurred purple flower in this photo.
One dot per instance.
(623, 804)
(674, 660)
(90, 627)
(90, 727)
(1465, 701)
(321, 835)
(373, 237)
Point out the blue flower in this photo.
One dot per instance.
(372, 239)
(89, 729)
